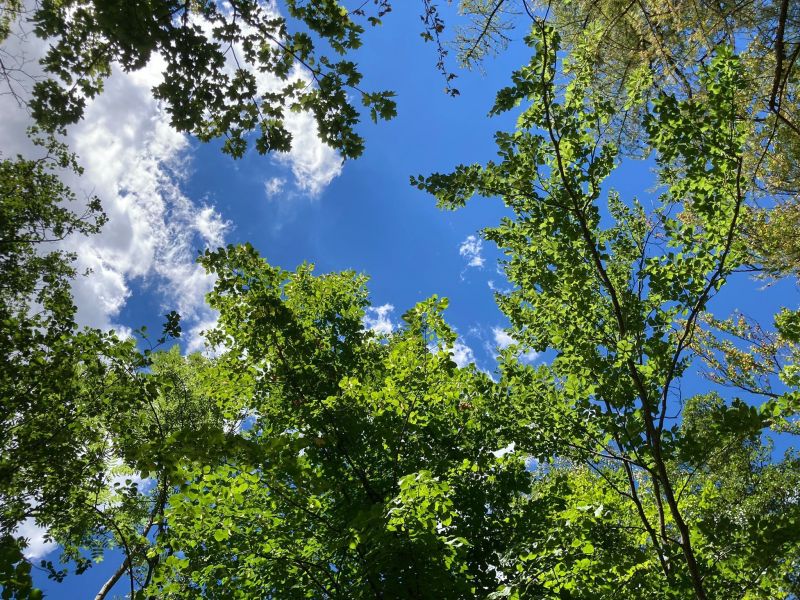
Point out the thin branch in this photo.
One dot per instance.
(485, 30)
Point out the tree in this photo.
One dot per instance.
(645, 48)
(181, 416)
(38, 378)
(620, 305)
(215, 53)
(367, 468)
(640, 49)
(71, 398)
(310, 457)
(231, 70)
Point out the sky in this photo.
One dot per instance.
(168, 197)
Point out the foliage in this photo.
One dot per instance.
(73, 400)
(620, 305)
(9, 10)
(366, 468)
(215, 55)
(770, 241)
(643, 48)
(46, 387)
(308, 457)
(488, 29)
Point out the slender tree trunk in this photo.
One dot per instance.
(112, 581)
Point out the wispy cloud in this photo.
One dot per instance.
(462, 354)
(497, 289)
(471, 249)
(274, 186)
(503, 339)
(38, 544)
(136, 164)
(211, 226)
(377, 318)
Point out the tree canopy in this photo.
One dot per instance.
(305, 455)
(230, 70)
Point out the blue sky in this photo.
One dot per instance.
(368, 218)
(169, 196)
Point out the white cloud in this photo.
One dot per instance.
(462, 354)
(274, 186)
(38, 545)
(196, 340)
(471, 249)
(530, 356)
(503, 340)
(312, 163)
(135, 163)
(378, 320)
(507, 450)
(211, 226)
